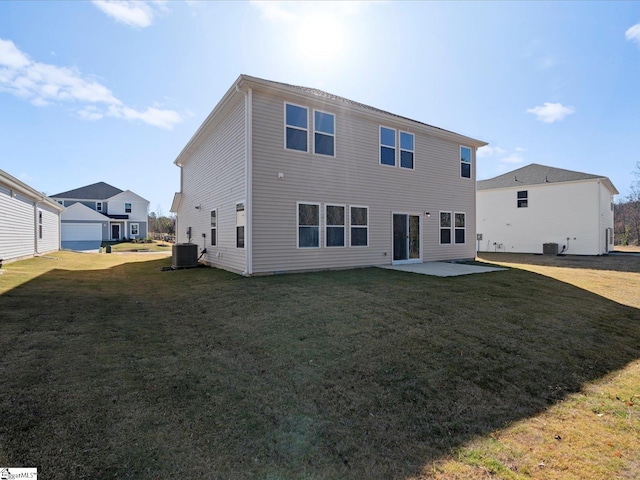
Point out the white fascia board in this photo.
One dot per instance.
(15, 184)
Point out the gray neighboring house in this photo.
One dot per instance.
(523, 210)
(282, 178)
(101, 212)
(29, 220)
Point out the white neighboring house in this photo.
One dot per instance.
(522, 210)
(283, 178)
(29, 220)
(100, 212)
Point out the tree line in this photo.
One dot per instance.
(627, 214)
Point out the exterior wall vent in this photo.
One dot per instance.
(184, 255)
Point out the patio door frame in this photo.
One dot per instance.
(407, 234)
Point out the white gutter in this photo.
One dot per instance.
(248, 176)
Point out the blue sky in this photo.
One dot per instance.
(112, 91)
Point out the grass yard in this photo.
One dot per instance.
(111, 368)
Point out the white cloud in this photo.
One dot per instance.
(283, 11)
(133, 13)
(489, 151)
(633, 34)
(513, 158)
(44, 84)
(551, 112)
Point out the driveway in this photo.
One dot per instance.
(82, 246)
(441, 269)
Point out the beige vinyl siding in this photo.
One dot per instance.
(213, 177)
(17, 235)
(50, 240)
(353, 177)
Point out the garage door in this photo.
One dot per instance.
(81, 232)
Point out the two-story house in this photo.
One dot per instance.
(101, 212)
(523, 210)
(283, 178)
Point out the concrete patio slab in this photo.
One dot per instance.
(441, 269)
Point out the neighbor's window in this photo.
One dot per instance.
(523, 199)
(460, 220)
(359, 232)
(335, 226)
(387, 146)
(308, 225)
(240, 222)
(39, 224)
(98, 206)
(324, 133)
(296, 121)
(465, 162)
(445, 227)
(214, 227)
(406, 150)
(135, 229)
(127, 208)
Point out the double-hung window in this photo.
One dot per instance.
(324, 133)
(406, 150)
(98, 206)
(335, 225)
(134, 230)
(387, 146)
(465, 162)
(127, 208)
(296, 127)
(214, 227)
(40, 224)
(359, 232)
(445, 228)
(523, 199)
(459, 227)
(308, 225)
(240, 219)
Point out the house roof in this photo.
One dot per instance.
(30, 192)
(95, 191)
(247, 81)
(536, 174)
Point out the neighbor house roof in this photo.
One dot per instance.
(95, 191)
(536, 174)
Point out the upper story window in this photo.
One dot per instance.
(240, 222)
(387, 146)
(98, 206)
(214, 227)
(308, 225)
(359, 226)
(61, 202)
(335, 225)
(127, 208)
(465, 162)
(523, 199)
(296, 127)
(406, 150)
(324, 133)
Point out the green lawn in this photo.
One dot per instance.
(111, 368)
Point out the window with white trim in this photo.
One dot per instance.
(359, 223)
(523, 198)
(460, 227)
(406, 150)
(214, 227)
(465, 162)
(324, 133)
(240, 223)
(127, 208)
(445, 228)
(98, 206)
(40, 224)
(296, 127)
(387, 146)
(308, 224)
(134, 229)
(335, 225)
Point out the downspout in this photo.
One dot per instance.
(248, 168)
